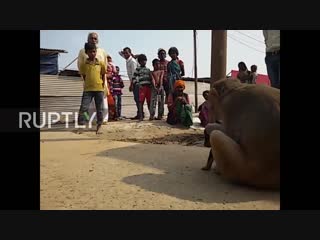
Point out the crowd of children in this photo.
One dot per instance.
(161, 85)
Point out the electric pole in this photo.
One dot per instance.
(195, 70)
(218, 61)
(218, 55)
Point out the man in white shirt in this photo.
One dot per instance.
(272, 41)
(132, 65)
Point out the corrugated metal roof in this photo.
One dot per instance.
(59, 105)
(70, 72)
(60, 94)
(63, 86)
(47, 51)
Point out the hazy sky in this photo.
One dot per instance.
(243, 45)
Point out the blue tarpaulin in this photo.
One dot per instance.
(49, 64)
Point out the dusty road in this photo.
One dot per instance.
(122, 170)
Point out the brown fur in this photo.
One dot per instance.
(246, 147)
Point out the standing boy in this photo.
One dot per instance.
(117, 85)
(157, 94)
(162, 54)
(92, 71)
(142, 79)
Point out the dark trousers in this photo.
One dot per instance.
(166, 88)
(273, 68)
(136, 97)
(85, 103)
(117, 103)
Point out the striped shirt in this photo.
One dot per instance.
(142, 75)
(117, 84)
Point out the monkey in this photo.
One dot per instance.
(245, 145)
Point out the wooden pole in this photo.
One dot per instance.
(218, 55)
(195, 70)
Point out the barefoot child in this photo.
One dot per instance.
(117, 85)
(92, 70)
(157, 94)
(142, 77)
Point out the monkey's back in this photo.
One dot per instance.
(251, 116)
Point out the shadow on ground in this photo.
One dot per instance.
(182, 177)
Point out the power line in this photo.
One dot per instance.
(246, 40)
(257, 50)
(249, 36)
(233, 38)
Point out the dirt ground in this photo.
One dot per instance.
(132, 165)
